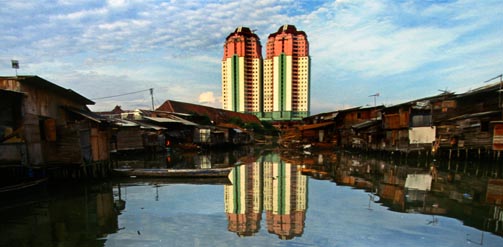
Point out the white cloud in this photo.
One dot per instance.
(83, 14)
(207, 98)
(400, 48)
(116, 3)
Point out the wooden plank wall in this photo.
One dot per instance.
(33, 139)
(99, 144)
(66, 149)
(129, 139)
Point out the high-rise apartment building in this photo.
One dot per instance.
(287, 75)
(277, 88)
(242, 72)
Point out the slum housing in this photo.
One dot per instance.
(453, 124)
(43, 125)
(50, 130)
(177, 125)
(215, 126)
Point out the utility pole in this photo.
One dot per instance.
(152, 96)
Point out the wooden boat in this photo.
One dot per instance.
(173, 173)
(22, 186)
(171, 180)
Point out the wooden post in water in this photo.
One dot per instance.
(465, 166)
(477, 169)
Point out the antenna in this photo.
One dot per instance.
(445, 91)
(498, 76)
(375, 96)
(15, 65)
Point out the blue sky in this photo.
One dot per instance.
(402, 50)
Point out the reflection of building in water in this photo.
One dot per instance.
(272, 184)
(285, 197)
(494, 191)
(78, 216)
(462, 195)
(494, 195)
(243, 199)
(391, 190)
(495, 222)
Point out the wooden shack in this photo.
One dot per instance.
(317, 133)
(44, 124)
(368, 134)
(13, 149)
(177, 130)
(131, 135)
(350, 121)
(409, 126)
(213, 125)
(316, 129)
(396, 126)
(464, 120)
(236, 135)
(210, 136)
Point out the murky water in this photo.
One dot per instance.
(270, 199)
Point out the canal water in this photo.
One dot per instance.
(270, 198)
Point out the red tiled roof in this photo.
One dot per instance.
(117, 110)
(216, 115)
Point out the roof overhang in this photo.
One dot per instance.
(365, 124)
(86, 114)
(11, 92)
(475, 115)
(315, 126)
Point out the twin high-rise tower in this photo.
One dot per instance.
(274, 88)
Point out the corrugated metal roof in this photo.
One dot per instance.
(131, 123)
(172, 119)
(125, 123)
(38, 82)
(150, 126)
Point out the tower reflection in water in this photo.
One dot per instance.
(271, 184)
